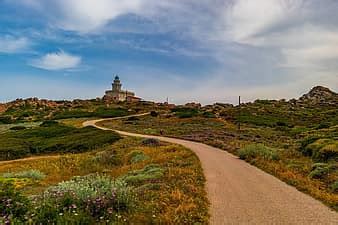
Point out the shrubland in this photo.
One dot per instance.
(294, 140)
(51, 138)
(106, 186)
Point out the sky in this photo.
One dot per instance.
(204, 51)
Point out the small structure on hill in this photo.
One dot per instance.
(119, 95)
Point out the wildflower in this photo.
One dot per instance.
(60, 214)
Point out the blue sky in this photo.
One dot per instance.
(205, 51)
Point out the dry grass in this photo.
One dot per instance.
(291, 167)
(178, 197)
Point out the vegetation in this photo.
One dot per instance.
(14, 205)
(52, 137)
(93, 197)
(258, 150)
(107, 187)
(102, 112)
(30, 174)
(286, 139)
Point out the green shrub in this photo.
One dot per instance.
(323, 125)
(84, 200)
(305, 142)
(208, 115)
(154, 114)
(110, 112)
(51, 139)
(18, 128)
(334, 186)
(151, 142)
(6, 120)
(31, 174)
(323, 150)
(132, 118)
(49, 123)
(281, 124)
(149, 173)
(13, 204)
(72, 114)
(319, 170)
(258, 150)
(137, 156)
(183, 112)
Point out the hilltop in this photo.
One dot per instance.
(320, 95)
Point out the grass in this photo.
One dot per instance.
(55, 138)
(30, 174)
(253, 151)
(7, 127)
(258, 144)
(166, 187)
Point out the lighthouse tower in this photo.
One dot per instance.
(116, 85)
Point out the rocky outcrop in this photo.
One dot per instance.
(320, 95)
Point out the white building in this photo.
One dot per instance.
(119, 95)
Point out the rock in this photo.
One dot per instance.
(319, 95)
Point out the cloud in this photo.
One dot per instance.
(83, 16)
(257, 48)
(10, 44)
(245, 19)
(57, 61)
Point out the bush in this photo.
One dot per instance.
(258, 151)
(151, 142)
(132, 118)
(323, 150)
(334, 187)
(31, 174)
(183, 112)
(281, 124)
(149, 173)
(109, 112)
(137, 156)
(208, 115)
(72, 114)
(6, 120)
(323, 125)
(84, 200)
(154, 114)
(319, 170)
(49, 123)
(51, 139)
(18, 128)
(13, 204)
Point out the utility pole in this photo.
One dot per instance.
(239, 112)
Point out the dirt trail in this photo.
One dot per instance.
(30, 159)
(243, 194)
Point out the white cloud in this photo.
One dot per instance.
(57, 61)
(245, 19)
(9, 44)
(88, 15)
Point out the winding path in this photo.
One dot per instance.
(242, 194)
